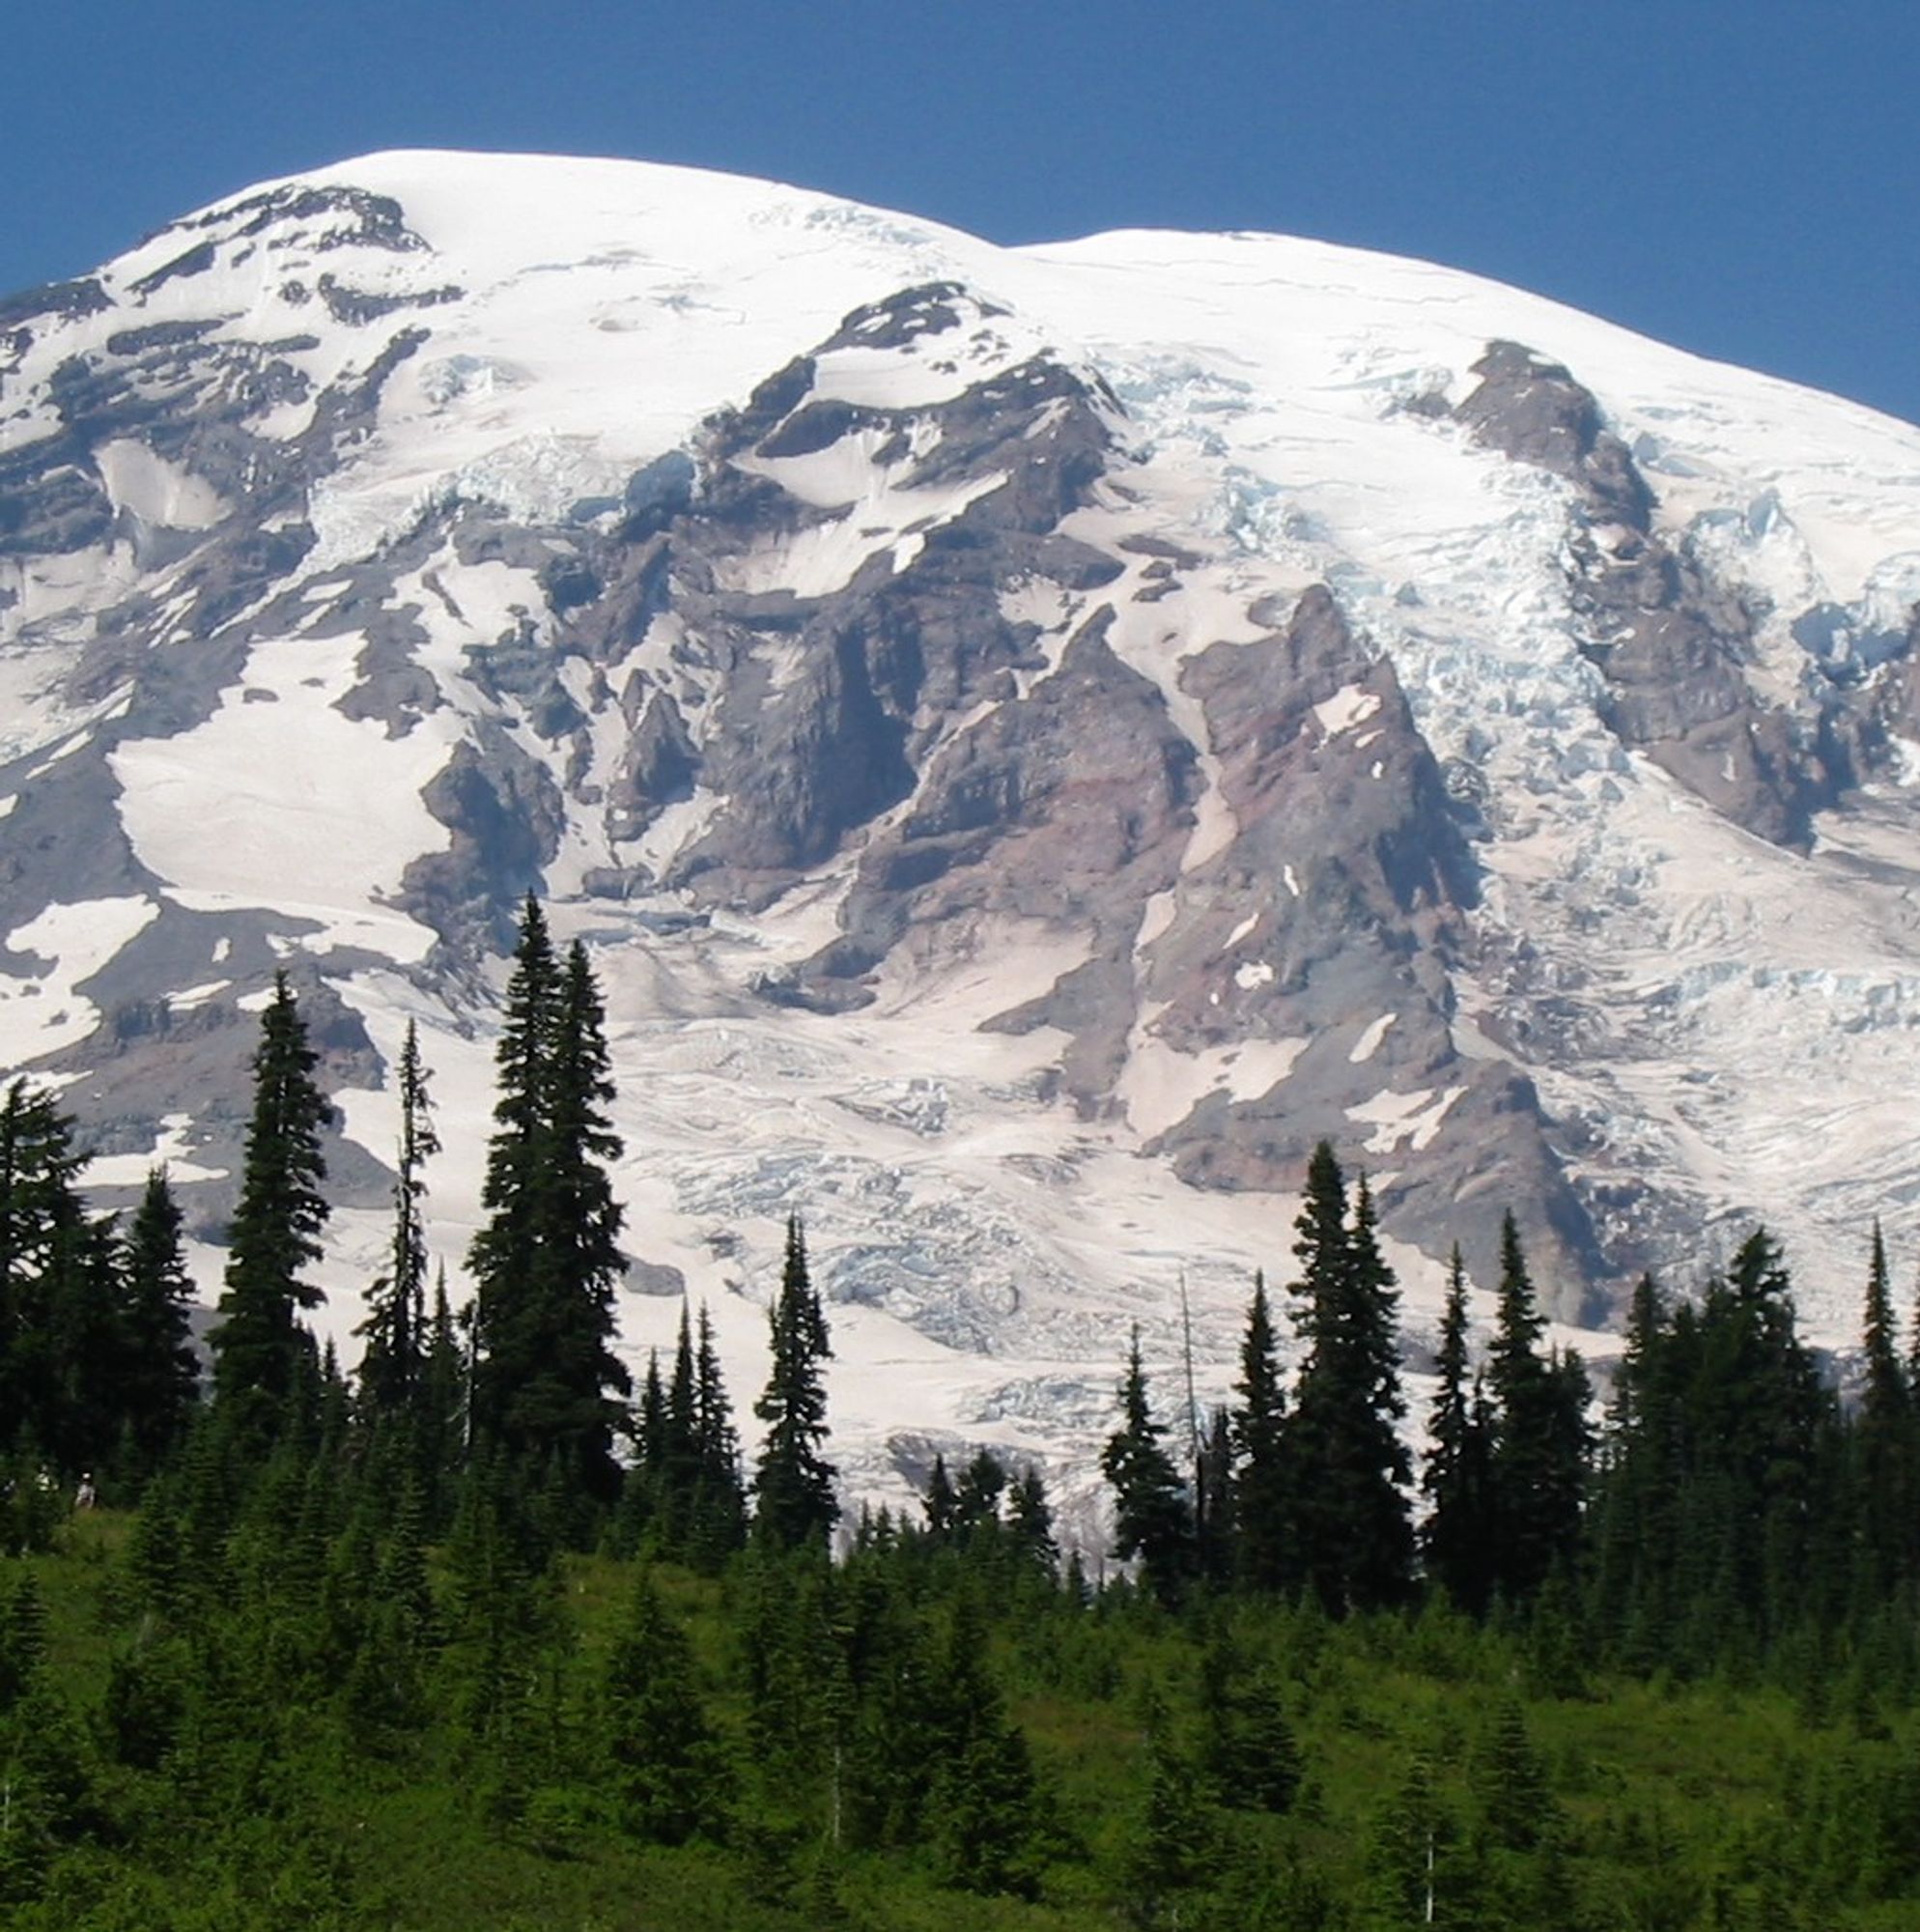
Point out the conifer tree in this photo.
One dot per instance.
(1031, 1528)
(677, 1459)
(57, 1352)
(1216, 1503)
(1884, 1437)
(1248, 1746)
(504, 1256)
(1349, 1469)
(665, 1769)
(794, 1507)
(546, 1381)
(1756, 1416)
(976, 1496)
(1635, 1540)
(1151, 1516)
(1261, 1504)
(441, 1434)
(394, 1367)
(580, 1237)
(717, 1524)
(940, 1502)
(1537, 1469)
(984, 1800)
(1457, 1537)
(160, 1382)
(258, 1346)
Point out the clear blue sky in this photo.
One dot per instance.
(1738, 179)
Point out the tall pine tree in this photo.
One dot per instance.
(1261, 1503)
(1153, 1519)
(1457, 1538)
(393, 1368)
(1350, 1468)
(1538, 1468)
(260, 1348)
(161, 1377)
(546, 1381)
(793, 1484)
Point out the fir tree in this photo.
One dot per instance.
(1151, 1518)
(1884, 1439)
(160, 1379)
(258, 1346)
(940, 1502)
(505, 1253)
(546, 1381)
(393, 1369)
(1248, 1747)
(1537, 1465)
(665, 1765)
(1262, 1505)
(57, 1348)
(1031, 1528)
(1348, 1465)
(580, 1237)
(1457, 1537)
(441, 1433)
(793, 1484)
(717, 1524)
(676, 1463)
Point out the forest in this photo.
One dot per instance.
(484, 1635)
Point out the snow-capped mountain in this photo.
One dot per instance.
(1034, 738)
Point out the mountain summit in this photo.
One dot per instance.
(1035, 739)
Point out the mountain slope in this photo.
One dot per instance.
(1034, 738)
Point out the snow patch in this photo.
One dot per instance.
(1409, 1121)
(172, 1150)
(1347, 707)
(1368, 1042)
(44, 1012)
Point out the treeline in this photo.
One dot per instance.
(1726, 1503)
(485, 1636)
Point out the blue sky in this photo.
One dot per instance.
(1738, 179)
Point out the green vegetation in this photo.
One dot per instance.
(417, 1650)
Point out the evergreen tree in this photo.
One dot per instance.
(717, 1522)
(1248, 1746)
(580, 1237)
(1755, 1421)
(1884, 1439)
(1637, 1506)
(793, 1484)
(60, 1348)
(160, 1382)
(976, 1497)
(1169, 1849)
(440, 1435)
(1261, 1504)
(1537, 1464)
(665, 1763)
(1457, 1537)
(393, 1369)
(1151, 1518)
(1216, 1504)
(546, 1262)
(258, 1346)
(676, 1461)
(985, 1801)
(1349, 1470)
(940, 1502)
(1031, 1528)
